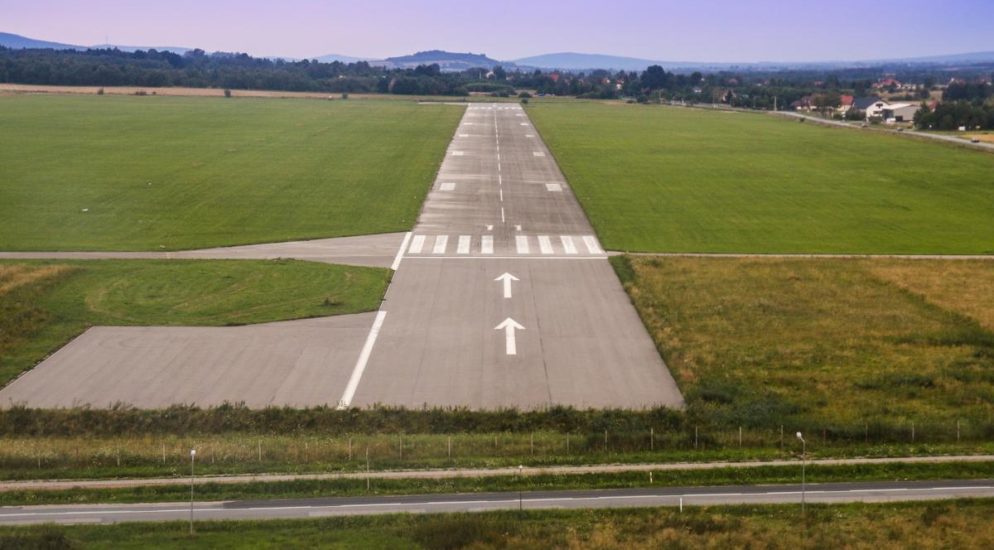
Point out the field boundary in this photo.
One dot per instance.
(745, 255)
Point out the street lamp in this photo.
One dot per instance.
(804, 448)
(193, 457)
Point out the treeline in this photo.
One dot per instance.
(956, 114)
(197, 69)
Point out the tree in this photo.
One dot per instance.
(655, 78)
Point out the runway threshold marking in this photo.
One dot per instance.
(521, 243)
(487, 244)
(464, 242)
(441, 243)
(568, 245)
(360, 365)
(417, 244)
(545, 244)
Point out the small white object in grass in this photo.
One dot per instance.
(86, 210)
(162, 246)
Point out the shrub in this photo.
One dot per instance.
(100, 91)
(227, 92)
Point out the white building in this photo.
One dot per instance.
(900, 112)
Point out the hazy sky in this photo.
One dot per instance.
(677, 30)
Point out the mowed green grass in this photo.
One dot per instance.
(45, 304)
(183, 172)
(666, 179)
(843, 345)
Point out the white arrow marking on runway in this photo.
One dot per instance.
(508, 279)
(509, 326)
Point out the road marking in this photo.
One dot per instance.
(457, 153)
(464, 135)
(417, 244)
(487, 244)
(507, 279)
(490, 228)
(441, 242)
(553, 187)
(509, 326)
(501, 194)
(360, 366)
(400, 253)
(517, 228)
(502, 219)
(568, 245)
(592, 246)
(524, 124)
(522, 244)
(529, 135)
(538, 153)
(463, 247)
(447, 186)
(544, 244)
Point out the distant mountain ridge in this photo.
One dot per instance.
(566, 61)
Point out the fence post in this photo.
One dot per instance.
(259, 448)
(350, 449)
(163, 453)
(740, 436)
(450, 446)
(605, 440)
(401, 446)
(781, 438)
(367, 466)
(652, 439)
(695, 437)
(957, 431)
(532, 443)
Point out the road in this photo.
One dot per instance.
(503, 296)
(833, 493)
(451, 473)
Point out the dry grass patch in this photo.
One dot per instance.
(834, 343)
(18, 275)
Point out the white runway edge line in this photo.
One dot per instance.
(400, 253)
(360, 366)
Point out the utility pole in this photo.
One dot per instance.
(193, 457)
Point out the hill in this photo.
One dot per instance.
(571, 61)
(448, 61)
(18, 42)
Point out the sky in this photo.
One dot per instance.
(666, 30)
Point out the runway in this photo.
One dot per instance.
(503, 296)
(831, 493)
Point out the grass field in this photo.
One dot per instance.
(664, 179)
(142, 173)
(45, 304)
(837, 344)
(944, 524)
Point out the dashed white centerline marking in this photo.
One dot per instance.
(417, 244)
(544, 244)
(501, 194)
(524, 124)
(464, 135)
(553, 187)
(592, 245)
(529, 135)
(457, 153)
(568, 245)
(463, 247)
(487, 244)
(441, 242)
(538, 153)
(447, 186)
(502, 219)
(521, 242)
(360, 366)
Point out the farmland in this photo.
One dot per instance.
(665, 179)
(841, 344)
(45, 304)
(164, 173)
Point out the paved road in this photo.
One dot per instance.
(366, 250)
(558, 328)
(450, 473)
(482, 502)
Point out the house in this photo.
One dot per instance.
(806, 103)
(873, 106)
(845, 103)
(900, 112)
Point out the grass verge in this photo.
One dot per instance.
(945, 524)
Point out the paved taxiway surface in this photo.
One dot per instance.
(482, 502)
(503, 297)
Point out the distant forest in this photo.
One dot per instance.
(967, 99)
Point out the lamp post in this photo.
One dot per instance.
(193, 457)
(804, 448)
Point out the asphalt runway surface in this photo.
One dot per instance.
(830, 493)
(502, 297)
